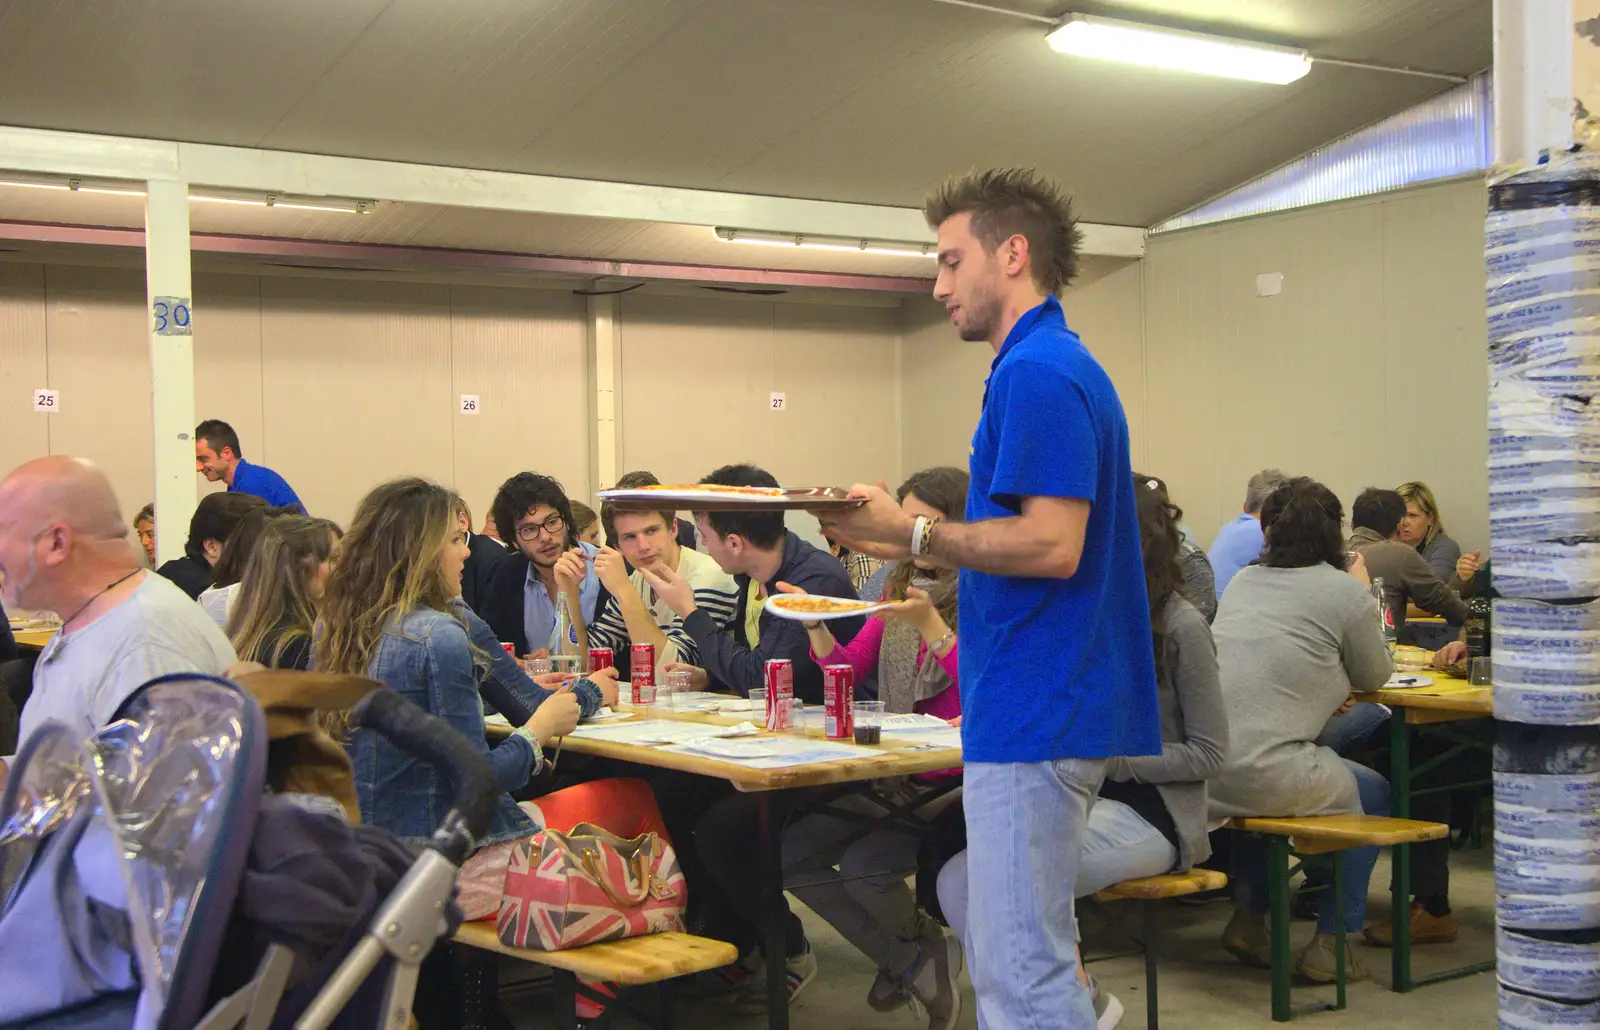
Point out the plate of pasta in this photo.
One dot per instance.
(815, 608)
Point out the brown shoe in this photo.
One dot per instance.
(1425, 929)
(1247, 940)
(1318, 963)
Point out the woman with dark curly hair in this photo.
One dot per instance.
(1296, 636)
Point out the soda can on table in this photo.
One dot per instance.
(780, 694)
(511, 649)
(642, 673)
(838, 694)
(600, 658)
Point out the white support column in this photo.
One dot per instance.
(166, 253)
(1533, 64)
(605, 383)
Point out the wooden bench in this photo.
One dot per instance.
(633, 961)
(1152, 889)
(1318, 835)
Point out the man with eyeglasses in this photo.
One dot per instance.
(546, 558)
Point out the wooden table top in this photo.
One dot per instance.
(33, 639)
(893, 758)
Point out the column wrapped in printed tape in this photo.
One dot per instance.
(1546, 661)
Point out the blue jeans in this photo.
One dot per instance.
(1026, 822)
(1250, 862)
(1118, 845)
(1354, 729)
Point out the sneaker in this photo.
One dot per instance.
(1247, 940)
(1425, 929)
(1317, 964)
(802, 969)
(887, 993)
(932, 981)
(1108, 1008)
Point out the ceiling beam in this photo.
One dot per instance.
(53, 152)
(389, 258)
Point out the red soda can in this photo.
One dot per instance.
(780, 694)
(838, 693)
(600, 658)
(511, 649)
(642, 673)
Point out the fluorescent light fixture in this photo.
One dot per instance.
(338, 205)
(346, 207)
(71, 185)
(1112, 39)
(850, 244)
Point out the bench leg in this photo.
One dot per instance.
(1400, 856)
(564, 992)
(1278, 893)
(1151, 1007)
(1338, 929)
(775, 929)
(664, 1005)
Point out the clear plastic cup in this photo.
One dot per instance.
(758, 707)
(798, 725)
(868, 718)
(673, 686)
(571, 664)
(1480, 672)
(537, 666)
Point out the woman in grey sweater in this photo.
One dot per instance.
(1296, 635)
(1150, 817)
(1151, 814)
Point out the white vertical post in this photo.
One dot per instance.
(605, 376)
(1533, 87)
(166, 254)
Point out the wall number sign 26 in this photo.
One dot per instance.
(171, 316)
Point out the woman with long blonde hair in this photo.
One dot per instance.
(275, 606)
(388, 613)
(1422, 528)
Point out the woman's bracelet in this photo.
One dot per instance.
(939, 645)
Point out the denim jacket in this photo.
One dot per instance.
(426, 657)
(507, 687)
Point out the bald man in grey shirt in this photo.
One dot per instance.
(64, 548)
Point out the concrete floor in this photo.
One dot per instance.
(1202, 987)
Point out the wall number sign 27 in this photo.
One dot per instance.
(171, 316)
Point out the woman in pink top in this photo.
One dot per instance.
(862, 892)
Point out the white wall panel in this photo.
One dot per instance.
(523, 353)
(23, 367)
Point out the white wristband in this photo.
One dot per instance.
(918, 528)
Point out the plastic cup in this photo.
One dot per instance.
(758, 707)
(868, 717)
(673, 686)
(1480, 673)
(538, 666)
(798, 726)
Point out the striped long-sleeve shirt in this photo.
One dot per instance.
(714, 591)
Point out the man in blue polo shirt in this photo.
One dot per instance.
(218, 458)
(1051, 578)
(1239, 542)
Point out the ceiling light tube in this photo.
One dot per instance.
(1112, 39)
(849, 244)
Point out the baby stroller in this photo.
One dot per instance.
(129, 866)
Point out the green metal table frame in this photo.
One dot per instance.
(1401, 773)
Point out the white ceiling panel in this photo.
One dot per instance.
(855, 100)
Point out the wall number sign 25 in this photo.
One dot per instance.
(47, 402)
(171, 316)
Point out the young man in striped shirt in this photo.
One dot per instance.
(635, 613)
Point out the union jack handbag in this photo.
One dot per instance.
(565, 890)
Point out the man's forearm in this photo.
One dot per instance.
(1014, 546)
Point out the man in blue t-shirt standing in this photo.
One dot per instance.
(217, 457)
(1051, 578)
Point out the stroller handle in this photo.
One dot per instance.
(433, 740)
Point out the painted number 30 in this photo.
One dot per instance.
(171, 316)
